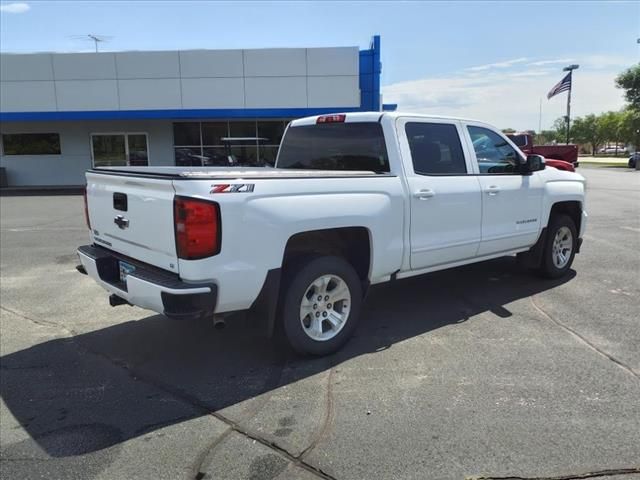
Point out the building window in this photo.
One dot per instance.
(270, 134)
(244, 143)
(186, 133)
(119, 149)
(31, 144)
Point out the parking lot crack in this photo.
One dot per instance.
(202, 407)
(585, 341)
(203, 458)
(233, 426)
(40, 225)
(41, 323)
(576, 476)
(185, 398)
(328, 417)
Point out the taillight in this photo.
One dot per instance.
(86, 209)
(198, 229)
(340, 118)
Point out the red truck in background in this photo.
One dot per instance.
(562, 157)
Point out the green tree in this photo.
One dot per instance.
(546, 137)
(629, 81)
(560, 127)
(610, 124)
(588, 129)
(630, 127)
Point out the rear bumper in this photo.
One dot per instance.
(148, 286)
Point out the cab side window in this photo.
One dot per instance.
(435, 149)
(494, 154)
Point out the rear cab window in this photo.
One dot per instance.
(435, 149)
(335, 146)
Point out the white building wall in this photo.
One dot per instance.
(194, 79)
(212, 64)
(172, 80)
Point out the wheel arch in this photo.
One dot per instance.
(353, 243)
(572, 208)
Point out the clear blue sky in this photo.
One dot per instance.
(420, 40)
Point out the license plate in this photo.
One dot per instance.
(125, 269)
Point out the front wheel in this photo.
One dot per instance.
(321, 305)
(560, 247)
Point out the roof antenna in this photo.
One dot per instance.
(96, 39)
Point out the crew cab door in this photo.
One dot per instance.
(511, 201)
(445, 201)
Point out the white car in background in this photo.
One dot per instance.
(621, 150)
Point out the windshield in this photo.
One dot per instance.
(335, 146)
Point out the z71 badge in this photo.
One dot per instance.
(232, 188)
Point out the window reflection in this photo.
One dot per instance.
(232, 143)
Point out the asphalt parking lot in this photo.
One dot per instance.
(479, 371)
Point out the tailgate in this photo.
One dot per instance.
(133, 216)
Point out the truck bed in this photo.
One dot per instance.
(230, 173)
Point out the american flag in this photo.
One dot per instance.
(562, 86)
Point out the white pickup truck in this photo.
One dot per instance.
(354, 199)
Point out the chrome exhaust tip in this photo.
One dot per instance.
(219, 322)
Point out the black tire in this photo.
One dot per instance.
(548, 267)
(297, 283)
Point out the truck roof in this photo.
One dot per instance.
(353, 117)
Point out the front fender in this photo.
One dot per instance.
(563, 190)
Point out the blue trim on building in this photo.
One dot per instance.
(171, 114)
(389, 107)
(370, 70)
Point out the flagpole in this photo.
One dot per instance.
(569, 107)
(569, 69)
(540, 118)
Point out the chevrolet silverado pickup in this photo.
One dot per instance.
(353, 200)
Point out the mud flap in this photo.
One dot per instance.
(262, 313)
(533, 257)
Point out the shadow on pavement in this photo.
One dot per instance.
(71, 399)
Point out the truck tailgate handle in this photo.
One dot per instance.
(120, 201)
(424, 194)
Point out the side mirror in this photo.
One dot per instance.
(534, 163)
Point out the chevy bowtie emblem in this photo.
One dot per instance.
(121, 222)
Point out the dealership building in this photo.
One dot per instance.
(62, 113)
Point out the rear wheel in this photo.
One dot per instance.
(560, 247)
(321, 305)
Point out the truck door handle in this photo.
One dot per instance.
(424, 194)
(493, 190)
